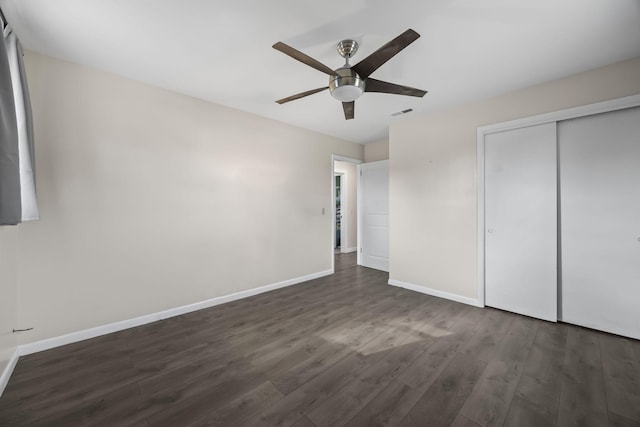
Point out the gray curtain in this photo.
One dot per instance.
(17, 160)
(10, 198)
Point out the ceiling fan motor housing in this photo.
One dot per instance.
(346, 85)
(347, 48)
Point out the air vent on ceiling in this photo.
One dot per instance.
(408, 110)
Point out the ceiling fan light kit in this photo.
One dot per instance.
(348, 83)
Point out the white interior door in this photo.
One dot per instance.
(521, 221)
(600, 221)
(374, 190)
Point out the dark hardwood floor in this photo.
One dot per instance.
(342, 350)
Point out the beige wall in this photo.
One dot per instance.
(433, 175)
(376, 151)
(150, 200)
(8, 295)
(351, 215)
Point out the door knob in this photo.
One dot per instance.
(490, 230)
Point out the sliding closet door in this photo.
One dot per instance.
(521, 221)
(600, 221)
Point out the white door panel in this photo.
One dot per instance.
(600, 221)
(521, 221)
(374, 184)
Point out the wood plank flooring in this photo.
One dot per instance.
(345, 350)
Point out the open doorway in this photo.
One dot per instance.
(344, 191)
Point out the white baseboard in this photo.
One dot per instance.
(86, 334)
(8, 370)
(436, 293)
(348, 250)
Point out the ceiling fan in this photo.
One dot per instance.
(348, 82)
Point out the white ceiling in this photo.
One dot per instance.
(220, 50)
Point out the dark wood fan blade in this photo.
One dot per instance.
(349, 108)
(373, 85)
(305, 59)
(372, 62)
(301, 95)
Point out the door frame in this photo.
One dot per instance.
(344, 226)
(357, 162)
(566, 114)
